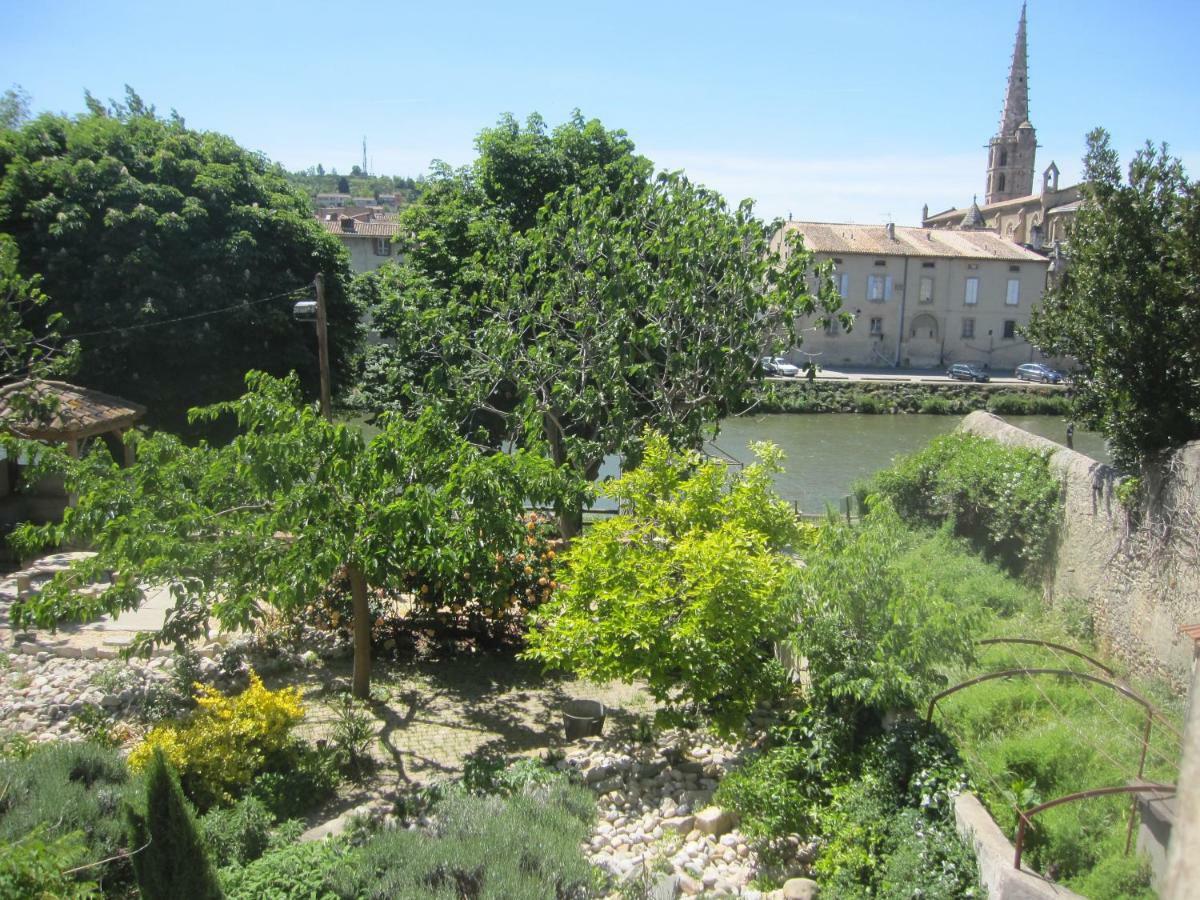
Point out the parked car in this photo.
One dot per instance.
(777, 365)
(1039, 372)
(967, 372)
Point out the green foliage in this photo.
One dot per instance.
(30, 346)
(168, 856)
(784, 790)
(1004, 499)
(352, 734)
(1119, 877)
(1126, 307)
(287, 507)
(67, 788)
(35, 866)
(938, 406)
(1029, 404)
(237, 835)
(96, 724)
(524, 845)
(14, 744)
(314, 180)
(301, 779)
(134, 221)
(492, 772)
(1127, 491)
(684, 589)
(218, 751)
(876, 631)
(295, 872)
(553, 292)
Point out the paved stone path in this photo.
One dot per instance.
(430, 716)
(103, 637)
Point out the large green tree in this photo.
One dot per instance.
(1128, 307)
(25, 354)
(626, 301)
(161, 244)
(272, 518)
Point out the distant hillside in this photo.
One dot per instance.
(311, 183)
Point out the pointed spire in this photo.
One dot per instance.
(1016, 101)
(974, 217)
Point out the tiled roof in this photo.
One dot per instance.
(72, 411)
(363, 229)
(831, 237)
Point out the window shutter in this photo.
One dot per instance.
(887, 288)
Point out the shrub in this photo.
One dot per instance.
(937, 406)
(683, 589)
(301, 778)
(64, 788)
(237, 835)
(168, 857)
(296, 872)
(229, 740)
(526, 845)
(1028, 404)
(36, 866)
(352, 734)
(491, 772)
(876, 633)
(1003, 499)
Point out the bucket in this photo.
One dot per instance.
(583, 718)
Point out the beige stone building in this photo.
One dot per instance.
(923, 297)
(1011, 209)
(368, 235)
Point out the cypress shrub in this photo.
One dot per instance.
(173, 864)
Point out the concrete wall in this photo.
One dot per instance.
(1139, 571)
(995, 854)
(1183, 854)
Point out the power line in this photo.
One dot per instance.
(187, 318)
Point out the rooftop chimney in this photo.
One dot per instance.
(347, 223)
(891, 230)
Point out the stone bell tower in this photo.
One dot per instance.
(1011, 151)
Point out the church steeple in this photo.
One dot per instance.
(1011, 152)
(1016, 101)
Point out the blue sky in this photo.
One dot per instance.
(850, 111)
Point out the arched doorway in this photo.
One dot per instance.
(923, 341)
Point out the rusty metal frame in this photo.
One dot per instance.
(1010, 673)
(1151, 714)
(1063, 647)
(1025, 816)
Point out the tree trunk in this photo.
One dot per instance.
(362, 633)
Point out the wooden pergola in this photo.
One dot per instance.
(64, 413)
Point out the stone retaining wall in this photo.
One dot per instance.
(1137, 570)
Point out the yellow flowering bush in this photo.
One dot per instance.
(227, 741)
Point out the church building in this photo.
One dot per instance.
(1010, 208)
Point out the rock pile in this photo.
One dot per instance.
(657, 824)
(40, 693)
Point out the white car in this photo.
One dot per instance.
(777, 365)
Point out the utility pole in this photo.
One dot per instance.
(361, 615)
(323, 348)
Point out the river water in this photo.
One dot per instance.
(827, 452)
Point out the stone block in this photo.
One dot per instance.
(801, 889)
(680, 824)
(714, 820)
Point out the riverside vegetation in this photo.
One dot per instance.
(908, 397)
(885, 613)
